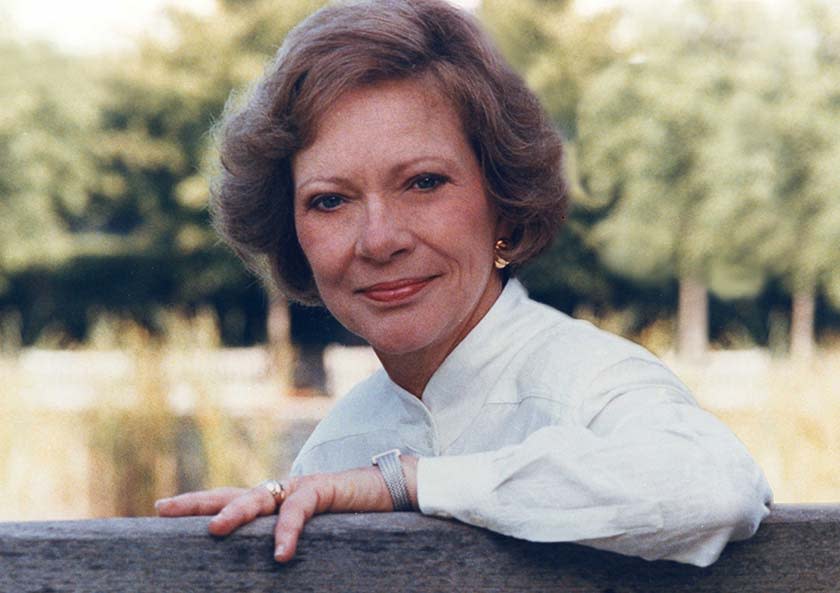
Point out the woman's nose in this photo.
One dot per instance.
(384, 234)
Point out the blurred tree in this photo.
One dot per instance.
(707, 154)
(160, 107)
(820, 254)
(638, 132)
(681, 142)
(809, 197)
(104, 170)
(48, 173)
(159, 153)
(554, 47)
(46, 163)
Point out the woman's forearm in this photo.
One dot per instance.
(678, 491)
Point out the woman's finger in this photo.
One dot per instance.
(353, 490)
(294, 513)
(203, 502)
(246, 507)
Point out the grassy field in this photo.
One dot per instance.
(102, 433)
(794, 430)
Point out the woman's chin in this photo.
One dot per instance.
(400, 344)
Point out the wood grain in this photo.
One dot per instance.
(797, 549)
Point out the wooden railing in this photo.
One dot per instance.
(797, 549)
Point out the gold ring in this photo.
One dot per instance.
(277, 490)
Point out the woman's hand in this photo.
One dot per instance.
(356, 490)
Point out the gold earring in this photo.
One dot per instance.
(498, 260)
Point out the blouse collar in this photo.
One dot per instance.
(459, 387)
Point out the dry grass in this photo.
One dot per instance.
(795, 432)
(134, 442)
(69, 454)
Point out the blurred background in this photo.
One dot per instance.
(137, 358)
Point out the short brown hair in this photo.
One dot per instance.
(345, 46)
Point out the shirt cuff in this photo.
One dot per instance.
(454, 485)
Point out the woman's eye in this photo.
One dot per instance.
(428, 182)
(327, 202)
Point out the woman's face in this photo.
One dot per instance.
(392, 215)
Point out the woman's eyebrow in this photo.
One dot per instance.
(399, 168)
(333, 179)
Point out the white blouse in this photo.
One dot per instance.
(548, 429)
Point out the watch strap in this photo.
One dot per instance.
(391, 468)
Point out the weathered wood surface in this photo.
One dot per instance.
(797, 549)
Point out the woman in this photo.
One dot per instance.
(392, 167)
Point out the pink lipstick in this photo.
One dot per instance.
(398, 290)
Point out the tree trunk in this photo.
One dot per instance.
(280, 341)
(310, 375)
(693, 319)
(802, 325)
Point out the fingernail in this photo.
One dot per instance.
(279, 551)
(160, 503)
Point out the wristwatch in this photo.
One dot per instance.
(391, 468)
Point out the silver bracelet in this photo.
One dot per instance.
(391, 468)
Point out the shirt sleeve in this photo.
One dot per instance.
(640, 470)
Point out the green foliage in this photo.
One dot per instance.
(46, 164)
(809, 188)
(703, 144)
(554, 48)
(634, 156)
(106, 167)
(156, 150)
(697, 146)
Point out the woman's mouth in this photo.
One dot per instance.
(395, 291)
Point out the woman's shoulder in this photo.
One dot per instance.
(556, 333)
(561, 353)
(333, 445)
(541, 331)
(358, 408)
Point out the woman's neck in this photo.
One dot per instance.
(413, 370)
